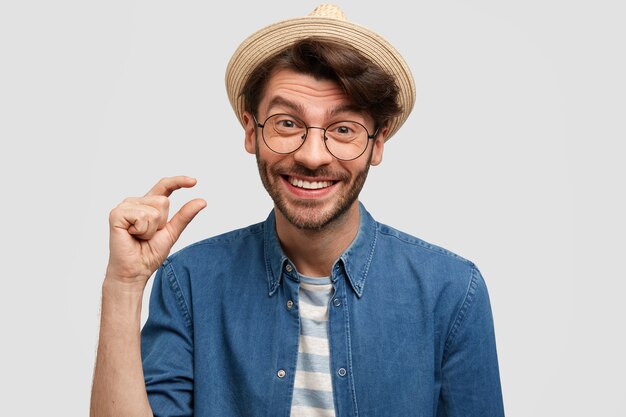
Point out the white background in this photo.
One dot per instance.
(513, 158)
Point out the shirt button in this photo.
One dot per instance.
(288, 268)
(289, 304)
(341, 372)
(281, 373)
(337, 302)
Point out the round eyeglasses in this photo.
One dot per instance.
(345, 140)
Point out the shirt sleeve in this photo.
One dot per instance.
(470, 374)
(167, 347)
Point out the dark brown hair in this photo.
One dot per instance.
(368, 86)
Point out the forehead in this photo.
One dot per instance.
(303, 94)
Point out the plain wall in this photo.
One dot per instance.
(513, 157)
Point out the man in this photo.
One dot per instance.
(319, 310)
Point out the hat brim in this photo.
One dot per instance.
(272, 39)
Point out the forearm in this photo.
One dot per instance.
(119, 388)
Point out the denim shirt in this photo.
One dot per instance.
(410, 329)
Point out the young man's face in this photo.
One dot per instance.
(310, 187)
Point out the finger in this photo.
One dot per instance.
(141, 221)
(159, 202)
(181, 219)
(146, 223)
(166, 186)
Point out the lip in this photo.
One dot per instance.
(306, 193)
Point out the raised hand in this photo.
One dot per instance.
(141, 236)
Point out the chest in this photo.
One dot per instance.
(246, 344)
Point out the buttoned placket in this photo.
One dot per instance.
(339, 344)
(338, 338)
(287, 345)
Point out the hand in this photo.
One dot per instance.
(140, 235)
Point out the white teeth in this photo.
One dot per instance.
(309, 185)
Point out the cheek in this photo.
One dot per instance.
(359, 164)
(271, 161)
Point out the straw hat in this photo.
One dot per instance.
(326, 21)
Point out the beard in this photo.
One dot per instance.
(311, 215)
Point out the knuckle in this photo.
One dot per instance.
(161, 200)
(140, 217)
(153, 214)
(113, 214)
(164, 203)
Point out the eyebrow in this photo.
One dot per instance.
(346, 108)
(299, 109)
(281, 101)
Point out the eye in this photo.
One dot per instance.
(346, 132)
(286, 123)
(343, 130)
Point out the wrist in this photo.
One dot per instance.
(126, 280)
(121, 304)
(122, 285)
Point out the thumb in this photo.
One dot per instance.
(183, 217)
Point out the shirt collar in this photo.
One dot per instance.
(355, 260)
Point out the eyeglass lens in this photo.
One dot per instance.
(284, 134)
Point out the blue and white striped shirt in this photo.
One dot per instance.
(313, 391)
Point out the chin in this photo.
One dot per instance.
(311, 218)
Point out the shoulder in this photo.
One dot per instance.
(206, 269)
(227, 242)
(218, 256)
(418, 249)
(452, 284)
(432, 266)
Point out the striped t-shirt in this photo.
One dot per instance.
(313, 391)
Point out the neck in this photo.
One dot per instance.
(315, 251)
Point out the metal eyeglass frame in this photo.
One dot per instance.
(306, 134)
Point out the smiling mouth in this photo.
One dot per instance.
(308, 185)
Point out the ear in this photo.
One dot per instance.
(379, 147)
(249, 126)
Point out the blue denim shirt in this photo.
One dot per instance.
(410, 329)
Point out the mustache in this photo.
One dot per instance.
(299, 170)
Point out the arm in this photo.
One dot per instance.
(140, 240)
(118, 386)
(470, 374)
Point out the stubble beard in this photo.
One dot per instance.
(310, 215)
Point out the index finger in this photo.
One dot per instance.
(166, 186)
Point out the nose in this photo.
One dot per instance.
(313, 153)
